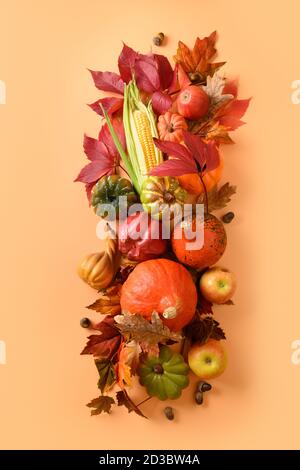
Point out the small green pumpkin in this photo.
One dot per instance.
(108, 190)
(164, 376)
(162, 195)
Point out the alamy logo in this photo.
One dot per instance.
(295, 96)
(296, 352)
(2, 352)
(2, 92)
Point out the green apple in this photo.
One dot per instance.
(217, 285)
(207, 360)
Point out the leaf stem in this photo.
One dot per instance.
(144, 401)
(205, 192)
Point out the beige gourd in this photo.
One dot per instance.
(99, 269)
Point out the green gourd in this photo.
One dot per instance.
(166, 375)
(161, 195)
(108, 190)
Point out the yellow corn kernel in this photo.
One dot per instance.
(145, 137)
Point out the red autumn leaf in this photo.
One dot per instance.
(88, 190)
(126, 62)
(108, 81)
(180, 80)
(161, 102)
(196, 157)
(106, 344)
(106, 138)
(232, 114)
(231, 88)
(205, 154)
(146, 74)
(165, 71)
(111, 105)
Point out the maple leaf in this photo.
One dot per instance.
(218, 198)
(128, 362)
(196, 156)
(124, 400)
(107, 374)
(111, 105)
(232, 114)
(108, 81)
(107, 344)
(109, 301)
(201, 329)
(199, 58)
(147, 333)
(102, 404)
(214, 131)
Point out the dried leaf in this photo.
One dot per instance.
(214, 89)
(102, 404)
(124, 400)
(128, 362)
(109, 301)
(107, 344)
(148, 333)
(107, 374)
(201, 329)
(199, 58)
(229, 302)
(204, 306)
(218, 198)
(217, 133)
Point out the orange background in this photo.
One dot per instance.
(46, 225)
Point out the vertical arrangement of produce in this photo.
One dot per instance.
(157, 152)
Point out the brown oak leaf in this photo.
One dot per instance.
(102, 404)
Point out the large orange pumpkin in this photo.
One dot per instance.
(192, 183)
(170, 127)
(161, 286)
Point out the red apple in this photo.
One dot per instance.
(218, 285)
(192, 102)
(207, 360)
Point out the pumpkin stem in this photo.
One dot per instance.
(170, 313)
(205, 192)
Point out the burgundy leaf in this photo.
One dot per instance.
(196, 146)
(111, 105)
(174, 167)
(126, 62)
(174, 149)
(161, 102)
(165, 71)
(212, 156)
(233, 114)
(108, 81)
(106, 138)
(146, 75)
(94, 171)
(107, 344)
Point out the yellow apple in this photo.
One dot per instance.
(217, 285)
(207, 360)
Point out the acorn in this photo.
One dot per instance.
(158, 40)
(195, 77)
(199, 398)
(203, 386)
(228, 217)
(85, 322)
(169, 414)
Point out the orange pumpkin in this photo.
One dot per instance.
(192, 183)
(170, 127)
(161, 286)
